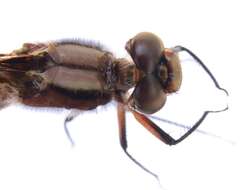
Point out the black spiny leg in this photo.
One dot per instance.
(123, 141)
(162, 135)
(181, 48)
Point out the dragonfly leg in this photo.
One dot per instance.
(73, 114)
(181, 48)
(123, 140)
(162, 135)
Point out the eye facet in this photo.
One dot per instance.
(148, 96)
(146, 50)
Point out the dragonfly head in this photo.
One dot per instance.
(160, 72)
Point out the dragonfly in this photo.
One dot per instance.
(79, 75)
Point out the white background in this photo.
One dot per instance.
(34, 151)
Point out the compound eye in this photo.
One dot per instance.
(148, 96)
(146, 50)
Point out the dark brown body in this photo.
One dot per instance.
(77, 75)
(74, 74)
(66, 74)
